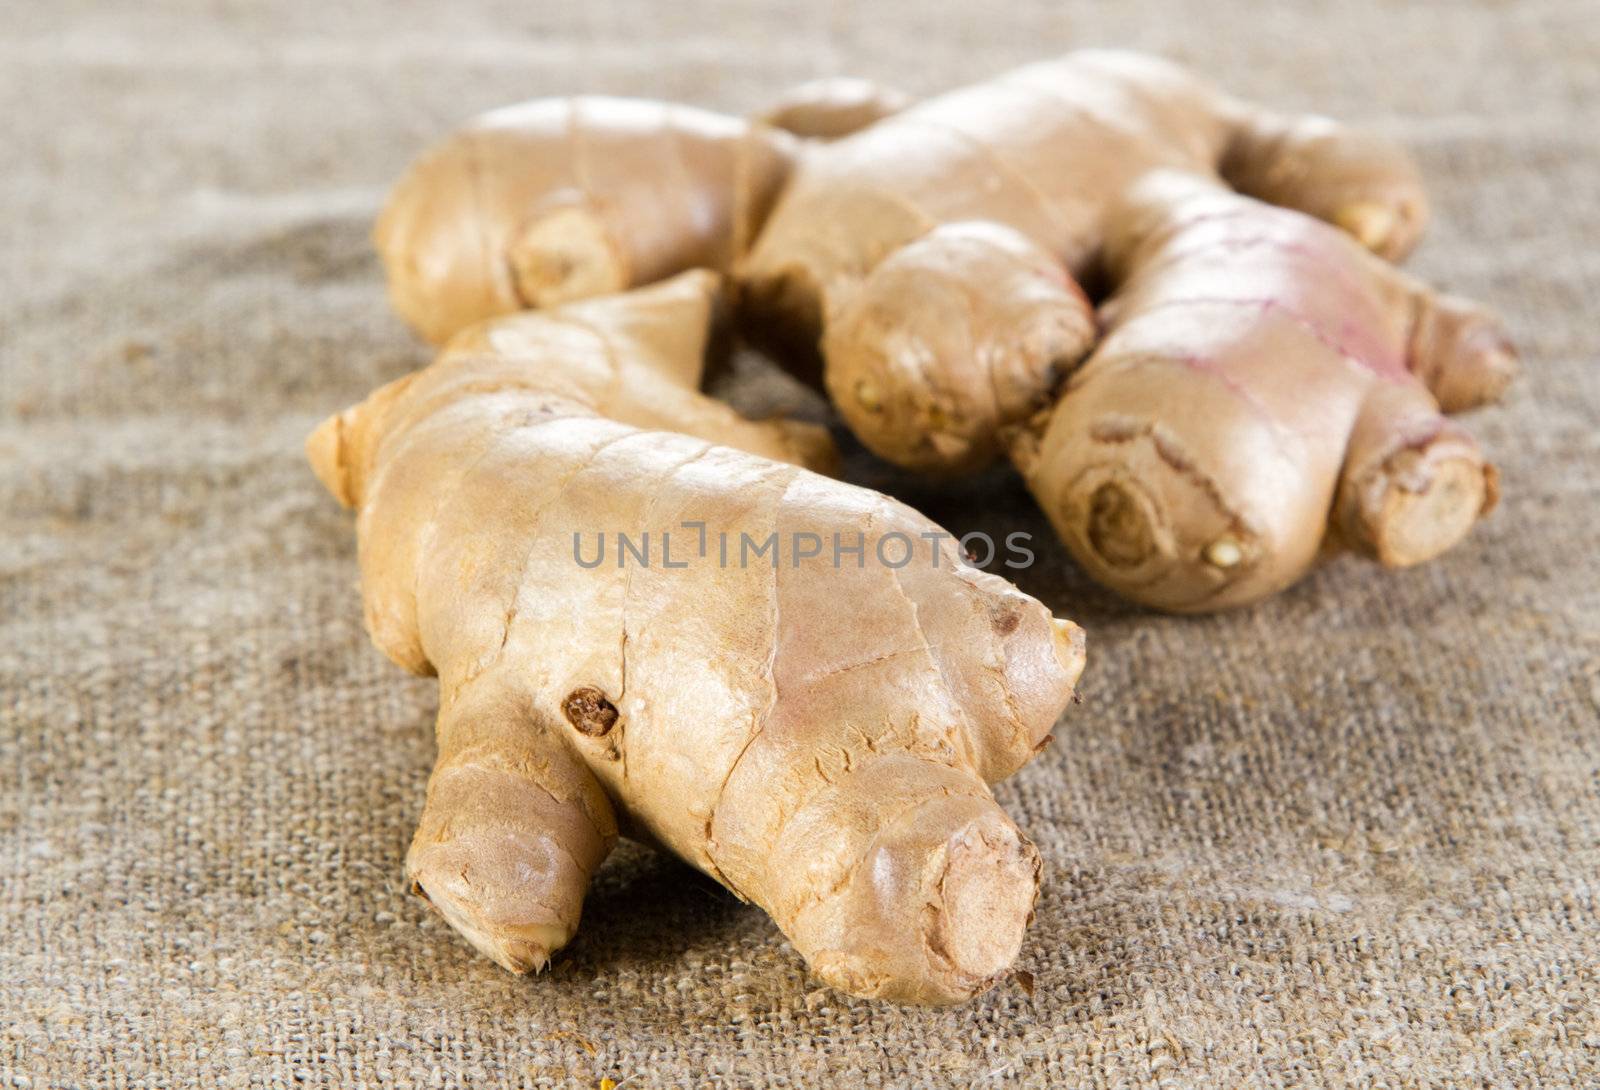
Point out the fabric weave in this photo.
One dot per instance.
(1349, 837)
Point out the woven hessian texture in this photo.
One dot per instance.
(1348, 837)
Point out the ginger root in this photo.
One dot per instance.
(816, 737)
(1262, 379)
(1264, 385)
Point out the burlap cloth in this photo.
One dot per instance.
(1347, 837)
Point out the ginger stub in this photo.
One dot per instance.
(817, 738)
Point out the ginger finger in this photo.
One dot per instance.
(512, 831)
(668, 325)
(564, 198)
(1457, 347)
(971, 291)
(723, 709)
(1356, 180)
(1413, 482)
(901, 846)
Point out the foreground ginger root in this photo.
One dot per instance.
(1263, 378)
(817, 738)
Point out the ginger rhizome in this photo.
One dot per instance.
(1261, 378)
(1265, 385)
(818, 738)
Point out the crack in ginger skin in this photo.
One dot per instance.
(835, 775)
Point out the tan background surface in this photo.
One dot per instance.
(1349, 837)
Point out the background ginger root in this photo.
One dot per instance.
(818, 739)
(928, 253)
(1262, 377)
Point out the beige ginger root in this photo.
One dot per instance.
(817, 738)
(929, 252)
(1262, 377)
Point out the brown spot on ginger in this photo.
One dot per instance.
(590, 712)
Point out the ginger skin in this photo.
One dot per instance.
(818, 739)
